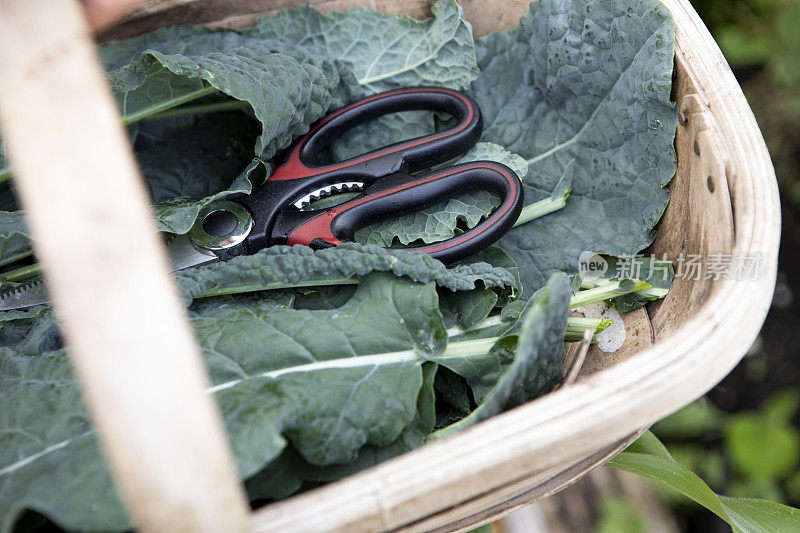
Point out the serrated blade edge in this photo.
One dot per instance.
(29, 295)
(328, 190)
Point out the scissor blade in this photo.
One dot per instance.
(182, 254)
(31, 294)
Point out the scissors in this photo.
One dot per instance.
(393, 180)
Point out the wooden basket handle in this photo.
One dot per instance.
(129, 337)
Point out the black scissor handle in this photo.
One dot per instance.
(402, 193)
(412, 155)
(302, 172)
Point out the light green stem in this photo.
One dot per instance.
(604, 292)
(652, 292)
(540, 209)
(577, 336)
(255, 287)
(160, 107)
(17, 257)
(5, 173)
(202, 109)
(22, 273)
(578, 322)
(472, 347)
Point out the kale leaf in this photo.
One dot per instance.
(385, 52)
(524, 363)
(587, 81)
(279, 375)
(281, 267)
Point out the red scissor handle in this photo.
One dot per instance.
(402, 192)
(406, 156)
(302, 172)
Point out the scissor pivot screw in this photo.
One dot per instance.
(221, 225)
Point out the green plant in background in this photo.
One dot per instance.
(760, 41)
(757, 33)
(649, 458)
(762, 450)
(618, 515)
(762, 447)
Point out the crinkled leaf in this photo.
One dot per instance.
(495, 256)
(465, 309)
(385, 52)
(192, 161)
(14, 237)
(432, 224)
(30, 331)
(321, 380)
(523, 365)
(589, 81)
(440, 222)
(487, 151)
(299, 266)
(50, 460)
(286, 474)
(287, 88)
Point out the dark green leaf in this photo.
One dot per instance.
(385, 52)
(589, 81)
(191, 161)
(286, 474)
(14, 237)
(287, 88)
(318, 379)
(50, 460)
(299, 266)
(523, 365)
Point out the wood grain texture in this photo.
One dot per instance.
(702, 330)
(699, 220)
(130, 341)
(241, 13)
(485, 16)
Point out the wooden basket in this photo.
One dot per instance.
(724, 201)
